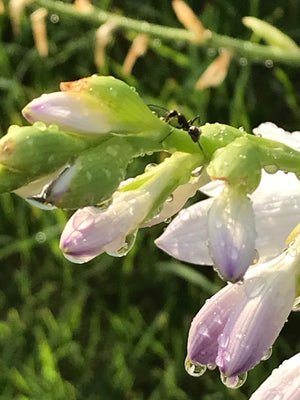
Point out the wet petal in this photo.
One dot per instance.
(209, 323)
(231, 234)
(255, 322)
(283, 383)
(185, 238)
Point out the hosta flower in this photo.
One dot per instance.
(237, 326)
(231, 234)
(283, 383)
(90, 231)
(276, 205)
(96, 105)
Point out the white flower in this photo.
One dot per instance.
(276, 204)
(283, 383)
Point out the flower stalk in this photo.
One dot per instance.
(242, 48)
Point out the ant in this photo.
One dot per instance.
(186, 125)
(183, 123)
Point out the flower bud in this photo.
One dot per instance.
(231, 231)
(95, 105)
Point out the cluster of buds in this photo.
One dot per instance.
(75, 156)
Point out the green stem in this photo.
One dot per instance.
(242, 48)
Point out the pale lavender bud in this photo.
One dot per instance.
(231, 230)
(283, 383)
(90, 231)
(209, 323)
(70, 111)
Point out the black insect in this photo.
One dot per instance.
(186, 125)
(183, 123)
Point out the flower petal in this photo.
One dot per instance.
(283, 383)
(70, 111)
(185, 238)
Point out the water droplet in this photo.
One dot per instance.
(223, 340)
(76, 260)
(40, 125)
(194, 369)
(292, 249)
(39, 203)
(211, 52)
(54, 18)
(242, 129)
(269, 63)
(125, 249)
(167, 220)
(271, 169)
(243, 61)
(211, 367)
(53, 128)
(40, 237)
(254, 286)
(267, 354)
(234, 382)
(197, 172)
(296, 305)
(170, 199)
(255, 257)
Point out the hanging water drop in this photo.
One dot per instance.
(150, 166)
(125, 249)
(271, 169)
(194, 369)
(267, 354)
(234, 382)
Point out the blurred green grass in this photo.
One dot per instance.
(117, 328)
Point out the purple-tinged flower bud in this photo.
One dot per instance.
(236, 328)
(209, 323)
(283, 383)
(231, 231)
(94, 105)
(90, 231)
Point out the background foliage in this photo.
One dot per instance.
(117, 328)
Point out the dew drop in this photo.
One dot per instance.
(269, 63)
(255, 257)
(170, 199)
(197, 172)
(76, 260)
(267, 354)
(271, 169)
(125, 249)
(53, 128)
(40, 125)
(234, 382)
(243, 61)
(54, 18)
(167, 220)
(211, 367)
(296, 305)
(40, 237)
(254, 287)
(194, 369)
(242, 129)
